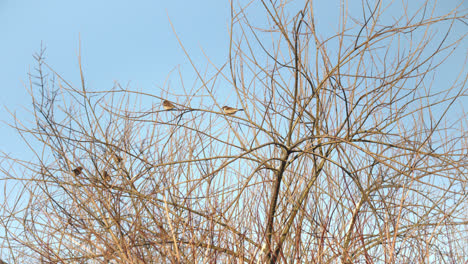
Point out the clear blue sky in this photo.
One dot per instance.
(123, 41)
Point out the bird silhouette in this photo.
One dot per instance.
(106, 176)
(168, 105)
(230, 110)
(117, 159)
(77, 171)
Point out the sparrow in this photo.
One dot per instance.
(117, 159)
(106, 176)
(230, 110)
(168, 105)
(77, 171)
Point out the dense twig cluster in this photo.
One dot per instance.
(343, 154)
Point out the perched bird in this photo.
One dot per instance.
(77, 171)
(106, 176)
(117, 159)
(230, 110)
(168, 105)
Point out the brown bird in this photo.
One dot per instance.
(117, 159)
(230, 110)
(168, 105)
(77, 171)
(106, 176)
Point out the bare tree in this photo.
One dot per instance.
(344, 153)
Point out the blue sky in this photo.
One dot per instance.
(129, 42)
(132, 42)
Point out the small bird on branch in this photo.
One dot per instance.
(77, 171)
(117, 158)
(106, 177)
(230, 110)
(168, 105)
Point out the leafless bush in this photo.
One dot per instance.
(345, 153)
